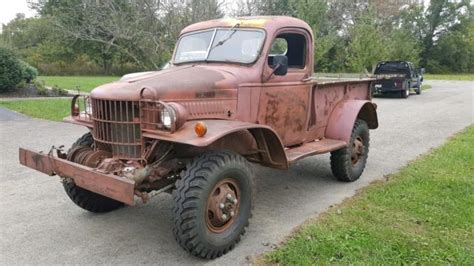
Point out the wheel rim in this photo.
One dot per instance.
(357, 150)
(223, 205)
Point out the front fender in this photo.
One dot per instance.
(270, 146)
(342, 119)
(215, 130)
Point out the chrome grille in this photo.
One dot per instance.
(117, 127)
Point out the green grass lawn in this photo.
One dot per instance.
(51, 109)
(422, 215)
(449, 77)
(84, 83)
(426, 87)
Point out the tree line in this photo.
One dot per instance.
(119, 36)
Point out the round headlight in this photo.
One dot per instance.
(166, 118)
(180, 115)
(88, 105)
(172, 116)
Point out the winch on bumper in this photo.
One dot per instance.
(112, 186)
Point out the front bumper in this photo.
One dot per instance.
(112, 186)
(387, 89)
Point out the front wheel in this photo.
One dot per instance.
(212, 204)
(418, 90)
(347, 164)
(84, 198)
(89, 200)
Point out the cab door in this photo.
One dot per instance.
(285, 99)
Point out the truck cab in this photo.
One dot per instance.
(237, 91)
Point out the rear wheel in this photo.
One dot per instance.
(405, 93)
(347, 164)
(83, 198)
(212, 204)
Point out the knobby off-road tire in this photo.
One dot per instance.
(85, 140)
(84, 198)
(347, 164)
(201, 185)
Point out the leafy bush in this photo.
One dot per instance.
(29, 73)
(22, 85)
(10, 70)
(40, 88)
(435, 67)
(59, 91)
(42, 91)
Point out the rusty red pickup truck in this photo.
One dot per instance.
(238, 90)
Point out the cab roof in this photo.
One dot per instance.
(269, 23)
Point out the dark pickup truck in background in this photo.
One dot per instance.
(397, 77)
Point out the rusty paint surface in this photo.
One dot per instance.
(223, 205)
(215, 130)
(286, 111)
(344, 116)
(108, 185)
(315, 147)
(269, 23)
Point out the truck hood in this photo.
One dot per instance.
(179, 83)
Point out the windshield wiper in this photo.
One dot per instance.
(224, 39)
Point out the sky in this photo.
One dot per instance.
(9, 9)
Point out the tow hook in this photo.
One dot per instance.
(59, 151)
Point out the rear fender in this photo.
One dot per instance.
(269, 149)
(344, 115)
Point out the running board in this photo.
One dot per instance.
(313, 148)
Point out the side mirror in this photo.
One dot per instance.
(422, 70)
(280, 65)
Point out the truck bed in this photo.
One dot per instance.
(339, 78)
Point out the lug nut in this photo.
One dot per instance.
(224, 216)
(232, 214)
(235, 201)
(221, 206)
(229, 197)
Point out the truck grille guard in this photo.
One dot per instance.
(117, 127)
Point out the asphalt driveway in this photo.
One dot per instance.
(40, 225)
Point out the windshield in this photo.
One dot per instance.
(228, 45)
(392, 68)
